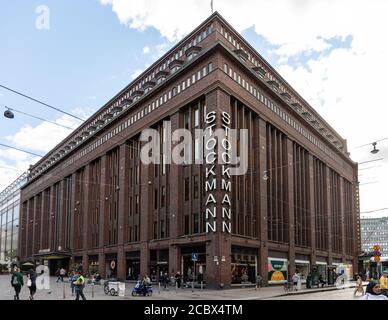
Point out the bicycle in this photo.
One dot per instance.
(288, 286)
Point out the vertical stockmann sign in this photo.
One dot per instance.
(224, 141)
(220, 160)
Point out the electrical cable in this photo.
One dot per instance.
(21, 150)
(36, 117)
(41, 102)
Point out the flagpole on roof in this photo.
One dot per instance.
(211, 5)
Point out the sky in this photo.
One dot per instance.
(76, 55)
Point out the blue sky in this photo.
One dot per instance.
(93, 49)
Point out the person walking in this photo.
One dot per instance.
(178, 279)
(58, 274)
(62, 273)
(17, 283)
(73, 278)
(359, 287)
(166, 280)
(384, 283)
(259, 280)
(79, 286)
(295, 281)
(31, 283)
(373, 292)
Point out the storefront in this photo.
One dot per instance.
(193, 270)
(158, 264)
(243, 265)
(302, 267)
(132, 265)
(277, 270)
(94, 266)
(319, 270)
(111, 265)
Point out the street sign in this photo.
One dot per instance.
(377, 258)
(194, 257)
(376, 247)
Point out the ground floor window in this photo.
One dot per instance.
(243, 265)
(302, 268)
(111, 266)
(158, 264)
(193, 270)
(93, 265)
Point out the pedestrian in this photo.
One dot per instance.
(31, 283)
(259, 280)
(373, 292)
(178, 279)
(62, 273)
(17, 283)
(295, 280)
(73, 278)
(79, 286)
(384, 283)
(359, 287)
(58, 274)
(166, 280)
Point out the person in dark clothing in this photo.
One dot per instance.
(178, 279)
(32, 285)
(165, 280)
(17, 283)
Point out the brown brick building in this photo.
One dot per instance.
(91, 201)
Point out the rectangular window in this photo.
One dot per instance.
(196, 117)
(187, 120)
(156, 199)
(187, 189)
(163, 200)
(196, 187)
(137, 204)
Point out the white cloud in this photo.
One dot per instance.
(136, 73)
(146, 50)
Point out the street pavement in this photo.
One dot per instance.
(61, 291)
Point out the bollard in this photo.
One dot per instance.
(192, 286)
(201, 285)
(176, 287)
(159, 288)
(64, 293)
(256, 287)
(93, 290)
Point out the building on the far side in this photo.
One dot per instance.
(9, 221)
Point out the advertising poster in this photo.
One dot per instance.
(277, 270)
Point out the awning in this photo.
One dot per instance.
(52, 255)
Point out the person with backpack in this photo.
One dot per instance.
(79, 286)
(17, 283)
(31, 283)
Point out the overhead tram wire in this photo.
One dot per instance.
(36, 117)
(368, 144)
(41, 102)
(21, 150)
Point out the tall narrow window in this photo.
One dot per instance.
(187, 189)
(196, 187)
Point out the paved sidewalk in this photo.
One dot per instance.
(61, 291)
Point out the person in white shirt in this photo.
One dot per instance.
(295, 280)
(373, 292)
